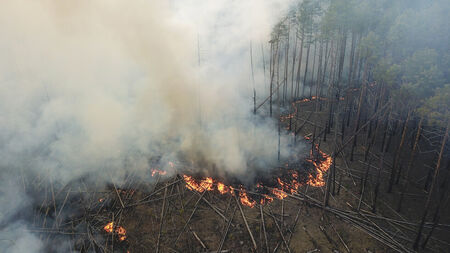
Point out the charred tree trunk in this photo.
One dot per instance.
(300, 63)
(342, 56)
(330, 92)
(441, 202)
(408, 170)
(253, 79)
(271, 79)
(324, 72)
(318, 85)
(386, 127)
(430, 193)
(278, 79)
(363, 184)
(286, 56)
(330, 86)
(313, 68)
(397, 154)
(325, 64)
(306, 68)
(331, 177)
(377, 184)
(294, 55)
(358, 117)
(352, 56)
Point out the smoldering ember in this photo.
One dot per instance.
(224, 126)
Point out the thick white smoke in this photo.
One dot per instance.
(85, 84)
(100, 87)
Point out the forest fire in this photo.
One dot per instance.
(120, 231)
(291, 115)
(281, 191)
(200, 186)
(284, 186)
(322, 167)
(245, 200)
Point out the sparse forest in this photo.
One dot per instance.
(376, 77)
(225, 126)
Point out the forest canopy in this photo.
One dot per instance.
(401, 45)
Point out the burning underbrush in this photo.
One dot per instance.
(278, 183)
(101, 219)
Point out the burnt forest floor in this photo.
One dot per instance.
(168, 217)
(209, 228)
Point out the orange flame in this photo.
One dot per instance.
(322, 167)
(207, 184)
(222, 188)
(267, 199)
(280, 194)
(160, 172)
(120, 231)
(245, 200)
(109, 227)
(204, 185)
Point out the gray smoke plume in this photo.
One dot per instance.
(100, 87)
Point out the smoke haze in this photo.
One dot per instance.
(100, 87)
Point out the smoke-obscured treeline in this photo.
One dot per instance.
(95, 95)
(380, 71)
(401, 45)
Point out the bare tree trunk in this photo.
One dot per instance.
(271, 79)
(441, 202)
(358, 117)
(264, 67)
(342, 56)
(299, 63)
(331, 86)
(293, 67)
(278, 77)
(331, 176)
(273, 61)
(363, 184)
(386, 127)
(313, 68)
(397, 154)
(430, 193)
(352, 54)
(306, 68)
(377, 184)
(408, 170)
(324, 72)
(327, 56)
(253, 78)
(286, 56)
(318, 85)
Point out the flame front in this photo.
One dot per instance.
(245, 200)
(284, 187)
(281, 191)
(204, 185)
(321, 167)
(222, 188)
